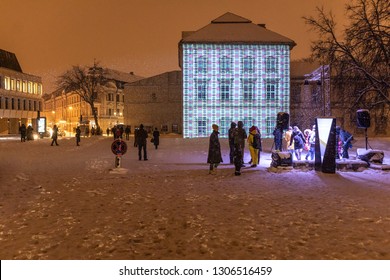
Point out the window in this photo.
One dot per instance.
(24, 86)
(271, 90)
(18, 88)
(117, 98)
(7, 83)
(202, 127)
(19, 104)
(13, 84)
(248, 88)
(248, 64)
(271, 63)
(201, 64)
(164, 128)
(12, 104)
(29, 87)
(270, 125)
(224, 126)
(225, 89)
(6, 103)
(225, 64)
(39, 88)
(201, 89)
(175, 128)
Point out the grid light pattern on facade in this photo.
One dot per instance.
(225, 83)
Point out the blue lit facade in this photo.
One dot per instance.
(225, 82)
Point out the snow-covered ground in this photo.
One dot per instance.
(68, 202)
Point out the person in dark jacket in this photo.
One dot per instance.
(142, 135)
(231, 140)
(23, 132)
(214, 157)
(127, 132)
(278, 134)
(237, 159)
(54, 135)
(156, 138)
(345, 139)
(239, 138)
(299, 141)
(78, 136)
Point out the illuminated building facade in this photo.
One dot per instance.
(233, 70)
(20, 95)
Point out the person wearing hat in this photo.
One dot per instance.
(214, 157)
(254, 142)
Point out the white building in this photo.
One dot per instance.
(234, 70)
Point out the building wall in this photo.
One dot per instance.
(224, 83)
(155, 102)
(20, 100)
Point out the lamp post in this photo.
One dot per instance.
(70, 120)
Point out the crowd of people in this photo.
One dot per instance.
(296, 142)
(237, 139)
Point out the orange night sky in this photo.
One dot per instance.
(49, 36)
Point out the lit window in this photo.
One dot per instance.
(248, 64)
(201, 64)
(248, 87)
(30, 87)
(270, 125)
(164, 128)
(24, 86)
(13, 84)
(201, 89)
(225, 64)
(271, 64)
(7, 83)
(225, 89)
(175, 128)
(18, 88)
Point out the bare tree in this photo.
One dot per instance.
(86, 82)
(359, 57)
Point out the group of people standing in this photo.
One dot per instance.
(297, 141)
(26, 133)
(237, 138)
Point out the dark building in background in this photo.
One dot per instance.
(155, 102)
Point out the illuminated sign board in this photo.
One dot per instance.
(41, 122)
(325, 145)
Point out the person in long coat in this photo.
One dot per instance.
(142, 135)
(214, 157)
(156, 138)
(231, 140)
(54, 136)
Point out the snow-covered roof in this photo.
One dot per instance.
(231, 28)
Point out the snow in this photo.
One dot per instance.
(69, 202)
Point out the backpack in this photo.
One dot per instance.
(256, 142)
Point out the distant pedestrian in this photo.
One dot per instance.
(78, 136)
(156, 138)
(287, 137)
(214, 157)
(127, 132)
(87, 131)
(142, 135)
(231, 141)
(312, 143)
(108, 131)
(29, 133)
(23, 132)
(136, 136)
(54, 135)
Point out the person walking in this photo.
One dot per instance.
(127, 132)
(142, 135)
(231, 141)
(78, 136)
(239, 138)
(214, 157)
(54, 135)
(156, 138)
(287, 137)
